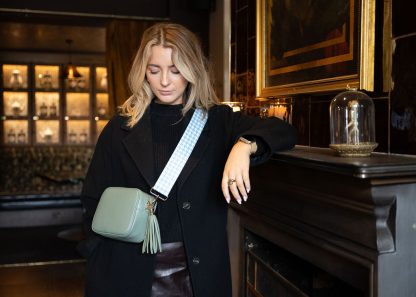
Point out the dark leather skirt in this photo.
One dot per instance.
(171, 277)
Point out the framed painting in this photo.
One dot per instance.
(306, 46)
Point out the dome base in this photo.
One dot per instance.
(354, 150)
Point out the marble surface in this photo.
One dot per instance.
(43, 170)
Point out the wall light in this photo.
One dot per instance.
(70, 71)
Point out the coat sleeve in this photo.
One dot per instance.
(98, 176)
(274, 134)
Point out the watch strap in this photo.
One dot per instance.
(252, 143)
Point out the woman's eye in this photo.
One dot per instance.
(153, 71)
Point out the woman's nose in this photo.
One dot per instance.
(165, 80)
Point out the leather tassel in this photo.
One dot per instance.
(152, 242)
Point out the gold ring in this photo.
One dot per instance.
(231, 181)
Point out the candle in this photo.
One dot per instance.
(280, 111)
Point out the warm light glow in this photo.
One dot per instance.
(71, 72)
(47, 131)
(78, 132)
(14, 76)
(235, 105)
(15, 132)
(15, 103)
(278, 111)
(276, 107)
(77, 104)
(47, 76)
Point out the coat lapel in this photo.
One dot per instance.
(139, 145)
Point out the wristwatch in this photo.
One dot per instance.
(252, 143)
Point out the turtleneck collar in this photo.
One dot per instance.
(165, 109)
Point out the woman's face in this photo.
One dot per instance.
(166, 82)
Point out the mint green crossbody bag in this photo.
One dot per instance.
(123, 214)
(128, 214)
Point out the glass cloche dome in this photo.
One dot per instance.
(352, 124)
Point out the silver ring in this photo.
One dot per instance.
(231, 181)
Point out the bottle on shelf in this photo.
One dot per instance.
(53, 110)
(72, 83)
(104, 82)
(81, 83)
(16, 108)
(47, 135)
(83, 136)
(21, 136)
(16, 80)
(11, 136)
(101, 110)
(46, 80)
(72, 137)
(43, 110)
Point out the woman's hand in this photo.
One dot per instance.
(235, 178)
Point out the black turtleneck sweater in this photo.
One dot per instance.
(167, 129)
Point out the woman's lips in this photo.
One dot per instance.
(165, 93)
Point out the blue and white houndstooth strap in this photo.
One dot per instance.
(180, 155)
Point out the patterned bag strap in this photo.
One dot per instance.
(180, 155)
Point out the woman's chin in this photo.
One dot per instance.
(168, 100)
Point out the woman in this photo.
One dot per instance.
(169, 79)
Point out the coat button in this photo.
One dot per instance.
(195, 260)
(186, 205)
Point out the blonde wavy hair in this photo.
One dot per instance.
(187, 56)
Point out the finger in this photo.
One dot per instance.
(241, 188)
(246, 179)
(234, 191)
(225, 189)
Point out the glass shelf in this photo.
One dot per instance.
(77, 104)
(15, 76)
(47, 104)
(47, 131)
(101, 82)
(46, 77)
(102, 105)
(80, 84)
(15, 132)
(39, 107)
(78, 132)
(15, 104)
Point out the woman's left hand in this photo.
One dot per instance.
(235, 178)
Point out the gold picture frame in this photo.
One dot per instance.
(305, 49)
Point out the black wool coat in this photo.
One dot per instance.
(123, 157)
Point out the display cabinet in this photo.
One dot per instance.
(15, 104)
(40, 107)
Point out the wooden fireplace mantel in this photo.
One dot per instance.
(355, 218)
